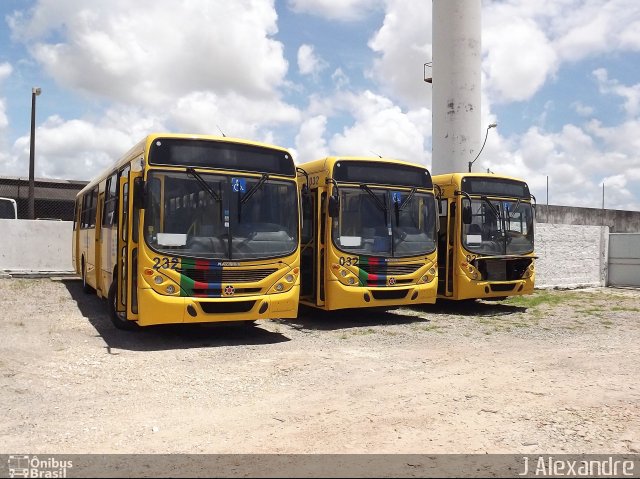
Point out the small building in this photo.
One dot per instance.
(53, 198)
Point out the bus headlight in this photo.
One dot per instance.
(158, 279)
(427, 278)
(528, 272)
(286, 282)
(470, 271)
(171, 289)
(352, 280)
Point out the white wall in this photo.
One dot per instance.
(568, 255)
(35, 246)
(571, 255)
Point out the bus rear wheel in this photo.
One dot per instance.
(116, 318)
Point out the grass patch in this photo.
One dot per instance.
(625, 308)
(431, 328)
(540, 298)
(363, 332)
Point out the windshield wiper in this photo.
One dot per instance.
(204, 184)
(408, 198)
(400, 206)
(379, 203)
(254, 188)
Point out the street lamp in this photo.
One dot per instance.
(491, 125)
(32, 210)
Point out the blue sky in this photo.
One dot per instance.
(344, 77)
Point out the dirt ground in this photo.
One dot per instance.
(551, 373)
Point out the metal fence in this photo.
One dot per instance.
(53, 199)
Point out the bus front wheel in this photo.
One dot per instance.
(116, 318)
(85, 286)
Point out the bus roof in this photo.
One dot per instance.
(328, 162)
(456, 178)
(143, 146)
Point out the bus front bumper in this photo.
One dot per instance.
(340, 296)
(154, 308)
(494, 289)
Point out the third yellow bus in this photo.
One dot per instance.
(486, 236)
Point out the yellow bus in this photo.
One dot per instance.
(368, 233)
(486, 236)
(192, 228)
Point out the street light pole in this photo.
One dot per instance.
(491, 125)
(32, 146)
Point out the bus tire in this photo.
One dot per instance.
(116, 319)
(85, 286)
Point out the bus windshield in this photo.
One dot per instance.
(499, 227)
(383, 222)
(220, 216)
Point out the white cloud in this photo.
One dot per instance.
(77, 149)
(518, 57)
(582, 109)
(149, 52)
(576, 160)
(631, 94)
(382, 128)
(235, 115)
(310, 141)
(403, 44)
(5, 71)
(308, 62)
(340, 10)
(340, 79)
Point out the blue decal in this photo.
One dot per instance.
(239, 185)
(396, 197)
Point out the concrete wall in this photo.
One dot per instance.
(571, 255)
(568, 255)
(35, 246)
(618, 221)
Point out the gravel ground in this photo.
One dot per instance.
(556, 372)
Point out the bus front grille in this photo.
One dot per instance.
(227, 275)
(391, 269)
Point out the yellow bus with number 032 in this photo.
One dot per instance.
(192, 228)
(486, 236)
(368, 233)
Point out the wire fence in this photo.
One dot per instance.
(53, 199)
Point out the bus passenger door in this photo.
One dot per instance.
(100, 289)
(452, 248)
(122, 261)
(321, 277)
(309, 239)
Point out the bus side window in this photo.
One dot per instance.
(110, 201)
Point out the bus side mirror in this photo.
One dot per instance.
(334, 206)
(139, 193)
(466, 215)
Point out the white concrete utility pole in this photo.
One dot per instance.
(457, 57)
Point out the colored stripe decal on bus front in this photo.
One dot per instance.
(367, 279)
(201, 289)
